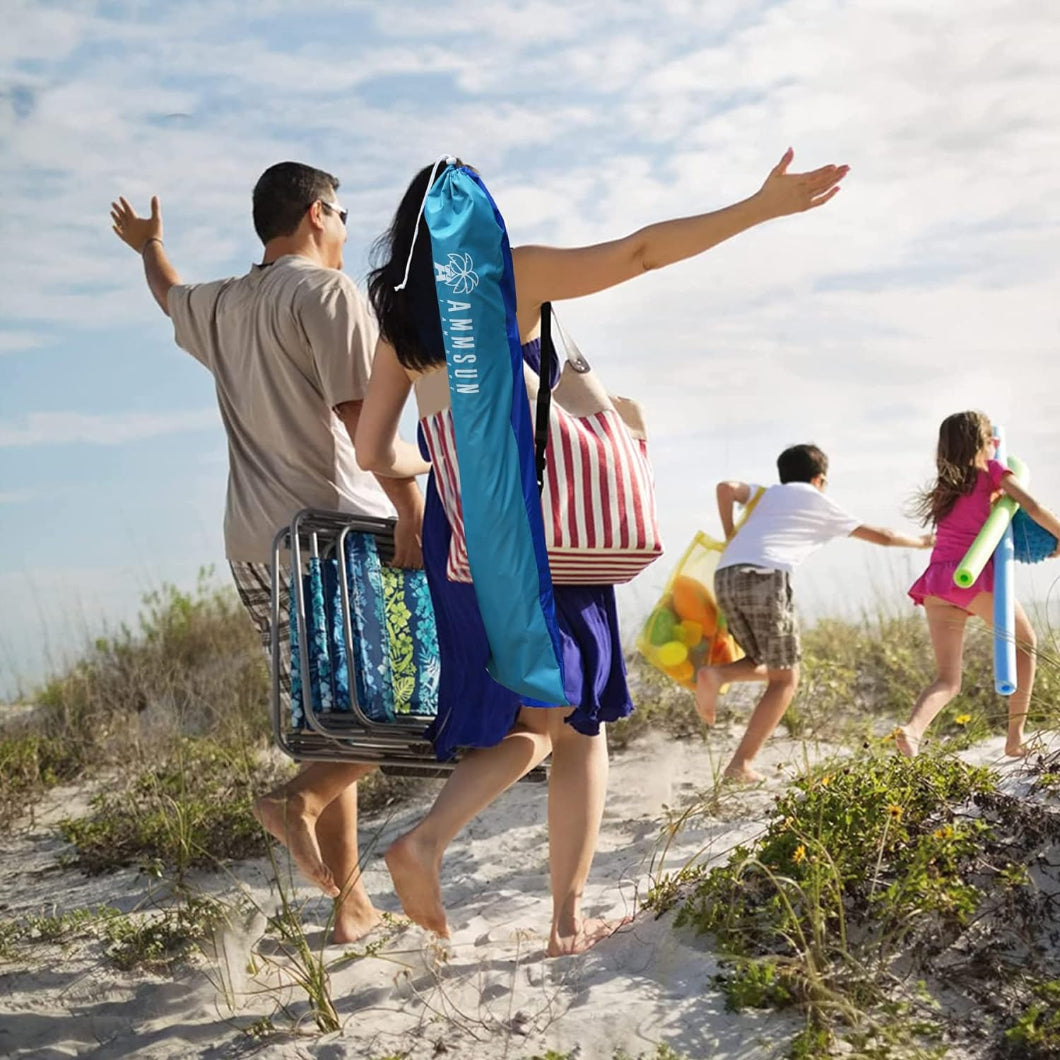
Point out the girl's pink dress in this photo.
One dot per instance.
(953, 537)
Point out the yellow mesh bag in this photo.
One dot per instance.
(686, 629)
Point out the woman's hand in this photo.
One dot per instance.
(408, 534)
(784, 192)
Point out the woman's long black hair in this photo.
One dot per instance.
(408, 319)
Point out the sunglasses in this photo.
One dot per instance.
(334, 207)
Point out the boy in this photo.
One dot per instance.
(753, 587)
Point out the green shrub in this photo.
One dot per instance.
(1035, 1034)
(868, 865)
(191, 810)
(193, 666)
(155, 942)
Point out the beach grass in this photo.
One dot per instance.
(870, 875)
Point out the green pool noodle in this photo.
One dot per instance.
(975, 559)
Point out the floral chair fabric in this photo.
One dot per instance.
(394, 639)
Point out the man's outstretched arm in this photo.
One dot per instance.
(144, 235)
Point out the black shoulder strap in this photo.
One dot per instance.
(544, 393)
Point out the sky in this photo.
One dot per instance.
(929, 284)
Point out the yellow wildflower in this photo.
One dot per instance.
(895, 811)
(799, 855)
(962, 719)
(825, 781)
(945, 832)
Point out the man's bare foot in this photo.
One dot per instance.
(1017, 748)
(296, 830)
(907, 742)
(353, 924)
(708, 682)
(414, 871)
(586, 935)
(743, 774)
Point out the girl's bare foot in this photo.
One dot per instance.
(907, 742)
(582, 936)
(742, 774)
(707, 685)
(1016, 748)
(285, 820)
(414, 870)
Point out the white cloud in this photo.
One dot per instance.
(63, 428)
(17, 341)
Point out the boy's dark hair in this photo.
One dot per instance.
(282, 195)
(801, 463)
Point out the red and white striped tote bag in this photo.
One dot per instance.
(598, 497)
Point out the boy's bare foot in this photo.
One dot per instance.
(583, 937)
(414, 871)
(743, 775)
(907, 742)
(285, 821)
(353, 924)
(708, 682)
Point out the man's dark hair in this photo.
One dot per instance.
(282, 195)
(801, 463)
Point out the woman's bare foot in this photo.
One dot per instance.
(353, 924)
(414, 870)
(583, 936)
(743, 774)
(285, 820)
(708, 682)
(907, 742)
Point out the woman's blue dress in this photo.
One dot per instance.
(475, 711)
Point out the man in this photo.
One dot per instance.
(290, 347)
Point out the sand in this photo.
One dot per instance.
(489, 992)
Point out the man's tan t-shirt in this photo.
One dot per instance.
(286, 343)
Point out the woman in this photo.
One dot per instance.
(507, 739)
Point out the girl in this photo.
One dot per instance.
(968, 479)
(506, 738)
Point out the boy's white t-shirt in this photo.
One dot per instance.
(790, 522)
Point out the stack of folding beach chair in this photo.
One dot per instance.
(361, 657)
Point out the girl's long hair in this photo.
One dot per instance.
(962, 437)
(408, 319)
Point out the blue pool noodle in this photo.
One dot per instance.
(1004, 601)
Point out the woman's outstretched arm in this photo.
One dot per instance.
(545, 274)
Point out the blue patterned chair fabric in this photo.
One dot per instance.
(394, 642)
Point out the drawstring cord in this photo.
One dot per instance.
(447, 160)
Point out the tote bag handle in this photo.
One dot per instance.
(544, 394)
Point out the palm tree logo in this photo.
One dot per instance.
(459, 273)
